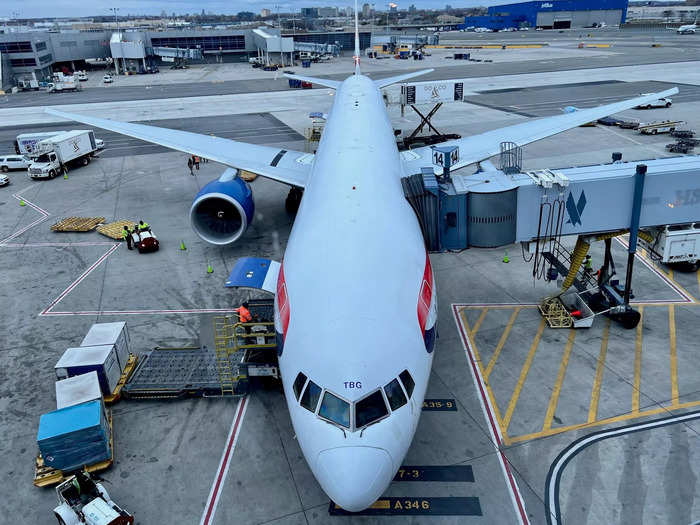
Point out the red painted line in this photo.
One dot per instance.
(495, 431)
(223, 466)
(79, 279)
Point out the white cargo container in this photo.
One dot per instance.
(84, 359)
(78, 389)
(110, 334)
(55, 154)
(26, 142)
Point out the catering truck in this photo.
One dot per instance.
(54, 155)
(26, 142)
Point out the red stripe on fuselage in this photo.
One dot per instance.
(426, 294)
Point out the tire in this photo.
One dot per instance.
(648, 106)
(668, 104)
(672, 130)
(52, 174)
(4, 169)
(86, 161)
(654, 131)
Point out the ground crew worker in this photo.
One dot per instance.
(588, 265)
(143, 226)
(244, 313)
(126, 234)
(195, 159)
(189, 165)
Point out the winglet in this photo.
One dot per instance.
(384, 82)
(356, 58)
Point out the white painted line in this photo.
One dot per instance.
(495, 431)
(556, 468)
(224, 464)
(79, 279)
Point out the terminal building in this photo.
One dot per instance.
(38, 54)
(552, 14)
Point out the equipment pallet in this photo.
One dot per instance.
(77, 224)
(45, 476)
(128, 370)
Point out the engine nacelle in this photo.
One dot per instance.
(223, 209)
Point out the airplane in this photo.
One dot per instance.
(688, 29)
(355, 295)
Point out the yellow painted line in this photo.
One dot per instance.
(380, 504)
(614, 419)
(674, 357)
(523, 376)
(477, 325)
(554, 398)
(595, 394)
(477, 357)
(638, 363)
(501, 343)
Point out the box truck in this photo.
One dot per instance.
(57, 153)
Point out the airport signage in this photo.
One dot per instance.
(432, 92)
(446, 157)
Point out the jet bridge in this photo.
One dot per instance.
(490, 208)
(657, 201)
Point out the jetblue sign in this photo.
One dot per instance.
(546, 5)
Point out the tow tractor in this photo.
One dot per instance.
(145, 241)
(83, 500)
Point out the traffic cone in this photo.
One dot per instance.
(65, 175)
(210, 269)
(505, 257)
(182, 245)
(21, 202)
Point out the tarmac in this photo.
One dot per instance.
(594, 426)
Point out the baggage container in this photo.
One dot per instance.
(73, 437)
(101, 359)
(77, 390)
(110, 334)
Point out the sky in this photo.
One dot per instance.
(75, 8)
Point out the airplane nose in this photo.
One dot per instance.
(354, 477)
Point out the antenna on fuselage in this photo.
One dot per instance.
(356, 57)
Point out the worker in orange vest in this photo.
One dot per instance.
(244, 313)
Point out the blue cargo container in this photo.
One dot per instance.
(75, 436)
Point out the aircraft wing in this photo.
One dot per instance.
(287, 166)
(480, 147)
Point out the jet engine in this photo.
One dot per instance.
(223, 209)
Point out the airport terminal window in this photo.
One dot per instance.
(299, 384)
(46, 58)
(310, 398)
(335, 409)
(370, 409)
(22, 62)
(40, 46)
(407, 381)
(395, 395)
(16, 47)
(69, 43)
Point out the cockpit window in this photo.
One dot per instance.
(407, 381)
(309, 399)
(298, 385)
(370, 409)
(395, 395)
(335, 409)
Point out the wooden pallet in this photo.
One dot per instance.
(114, 230)
(77, 224)
(45, 476)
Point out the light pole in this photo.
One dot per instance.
(121, 47)
(15, 15)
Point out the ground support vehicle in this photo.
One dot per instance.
(83, 500)
(55, 154)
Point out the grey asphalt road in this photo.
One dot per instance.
(549, 100)
(255, 128)
(626, 55)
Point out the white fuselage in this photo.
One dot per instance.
(353, 273)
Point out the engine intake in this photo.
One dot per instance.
(223, 209)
